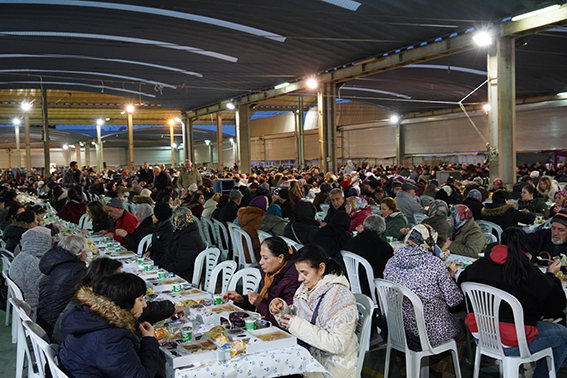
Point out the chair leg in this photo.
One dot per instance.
(15, 323)
(477, 358)
(550, 366)
(387, 361)
(20, 354)
(412, 365)
(8, 307)
(424, 370)
(456, 366)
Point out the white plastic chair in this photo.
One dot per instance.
(200, 226)
(85, 222)
(263, 235)
(47, 352)
(238, 244)
(485, 301)
(292, 243)
(426, 200)
(490, 237)
(391, 297)
(227, 268)
(23, 310)
(365, 310)
(419, 218)
(325, 208)
(207, 259)
(209, 230)
(144, 244)
(352, 263)
(490, 227)
(7, 258)
(250, 277)
(223, 238)
(14, 292)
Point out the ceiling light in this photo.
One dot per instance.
(93, 143)
(562, 94)
(394, 119)
(26, 106)
(536, 12)
(122, 113)
(171, 122)
(100, 122)
(282, 85)
(482, 39)
(72, 145)
(173, 145)
(130, 108)
(107, 119)
(312, 83)
(231, 140)
(65, 147)
(207, 142)
(486, 107)
(177, 119)
(16, 121)
(230, 106)
(81, 144)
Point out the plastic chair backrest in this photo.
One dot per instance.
(490, 227)
(352, 263)
(85, 222)
(200, 226)
(419, 218)
(238, 238)
(292, 243)
(485, 301)
(51, 353)
(23, 310)
(144, 244)
(325, 208)
(227, 268)
(209, 229)
(426, 200)
(365, 310)
(251, 278)
(391, 298)
(207, 259)
(13, 289)
(547, 224)
(223, 238)
(490, 237)
(39, 340)
(263, 235)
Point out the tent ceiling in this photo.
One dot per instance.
(187, 54)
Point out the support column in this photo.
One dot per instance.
(27, 140)
(245, 163)
(299, 128)
(399, 144)
(87, 154)
(18, 149)
(327, 127)
(171, 141)
(502, 115)
(78, 155)
(10, 157)
(131, 140)
(236, 144)
(45, 131)
(219, 143)
(99, 149)
(190, 139)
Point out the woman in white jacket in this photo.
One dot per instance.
(326, 313)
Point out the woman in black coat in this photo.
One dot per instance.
(303, 225)
(145, 227)
(334, 236)
(163, 234)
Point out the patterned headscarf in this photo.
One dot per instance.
(461, 214)
(354, 204)
(438, 207)
(560, 198)
(423, 235)
(475, 193)
(182, 217)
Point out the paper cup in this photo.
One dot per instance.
(250, 324)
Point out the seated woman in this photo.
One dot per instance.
(22, 222)
(547, 188)
(210, 206)
(279, 279)
(104, 336)
(334, 236)
(162, 235)
(74, 208)
(145, 227)
(415, 267)
(272, 221)
(303, 224)
(533, 201)
(358, 210)
(326, 311)
(504, 214)
(395, 219)
(196, 204)
(99, 217)
(437, 219)
(469, 239)
(507, 267)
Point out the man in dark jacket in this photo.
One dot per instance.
(72, 177)
(161, 179)
(63, 266)
(163, 233)
(337, 204)
(554, 240)
(229, 212)
(145, 174)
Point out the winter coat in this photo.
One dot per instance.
(185, 179)
(357, 217)
(72, 211)
(440, 224)
(409, 206)
(145, 228)
(332, 339)
(430, 190)
(196, 209)
(541, 241)
(161, 241)
(474, 185)
(24, 270)
(475, 207)
(273, 224)
(162, 181)
(506, 215)
(284, 286)
(334, 236)
(427, 276)
(126, 222)
(70, 179)
(287, 208)
(370, 246)
(185, 246)
(303, 225)
(103, 341)
(469, 240)
(210, 207)
(105, 223)
(332, 211)
(536, 205)
(541, 294)
(229, 212)
(63, 271)
(13, 234)
(250, 221)
(394, 223)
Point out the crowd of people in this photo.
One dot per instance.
(360, 209)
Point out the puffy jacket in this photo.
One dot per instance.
(273, 224)
(103, 341)
(63, 271)
(303, 225)
(210, 207)
(469, 240)
(161, 241)
(143, 229)
(13, 234)
(72, 211)
(536, 205)
(127, 222)
(185, 246)
(250, 221)
(505, 215)
(394, 223)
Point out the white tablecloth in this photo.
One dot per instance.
(273, 363)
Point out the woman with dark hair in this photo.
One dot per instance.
(74, 208)
(334, 236)
(303, 224)
(504, 214)
(22, 222)
(326, 311)
(223, 201)
(104, 336)
(145, 227)
(196, 204)
(99, 217)
(533, 201)
(507, 267)
(58, 198)
(279, 279)
(13, 211)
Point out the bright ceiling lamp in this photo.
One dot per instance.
(16, 121)
(312, 83)
(394, 119)
(482, 39)
(130, 108)
(230, 106)
(100, 122)
(562, 94)
(536, 12)
(486, 107)
(282, 85)
(65, 147)
(26, 106)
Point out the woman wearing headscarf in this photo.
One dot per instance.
(185, 246)
(474, 203)
(303, 224)
(145, 227)
(334, 235)
(560, 200)
(415, 267)
(469, 239)
(437, 219)
(223, 201)
(162, 235)
(358, 210)
(272, 221)
(250, 220)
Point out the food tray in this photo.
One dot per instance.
(181, 355)
(268, 339)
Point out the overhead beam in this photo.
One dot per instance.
(535, 24)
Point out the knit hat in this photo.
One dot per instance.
(37, 241)
(284, 193)
(116, 202)
(162, 212)
(260, 201)
(145, 193)
(560, 217)
(474, 193)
